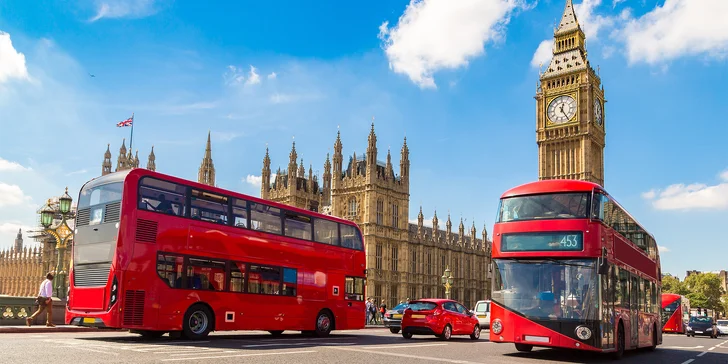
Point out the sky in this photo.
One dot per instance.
(458, 79)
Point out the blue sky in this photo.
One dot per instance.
(457, 78)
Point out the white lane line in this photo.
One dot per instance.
(688, 361)
(703, 353)
(87, 349)
(683, 347)
(409, 356)
(241, 355)
(711, 349)
(398, 346)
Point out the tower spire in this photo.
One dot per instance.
(568, 22)
(151, 161)
(206, 173)
(106, 165)
(265, 183)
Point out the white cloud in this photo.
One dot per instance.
(257, 181)
(279, 98)
(9, 230)
(272, 76)
(543, 54)
(434, 35)
(12, 62)
(125, 9)
(8, 166)
(253, 77)
(678, 28)
(616, 2)
(80, 171)
(663, 249)
(233, 76)
(692, 196)
(427, 222)
(225, 136)
(12, 195)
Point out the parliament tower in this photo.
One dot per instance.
(570, 123)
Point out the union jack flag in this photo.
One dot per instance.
(127, 122)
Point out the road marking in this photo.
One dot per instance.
(711, 349)
(683, 347)
(241, 355)
(87, 349)
(408, 356)
(398, 346)
(703, 353)
(216, 351)
(688, 361)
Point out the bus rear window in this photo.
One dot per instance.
(422, 306)
(99, 195)
(547, 206)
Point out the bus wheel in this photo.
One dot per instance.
(276, 332)
(197, 322)
(324, 324)
(654, 339)
(148, 334)
(620, 342)
(524, 347)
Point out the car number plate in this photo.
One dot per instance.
(89, 320)
(698, 332)
(418, 316)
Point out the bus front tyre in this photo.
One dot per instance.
(148, 334)
(324, 324)
(620, 343)
(197, 322)
(524, 347)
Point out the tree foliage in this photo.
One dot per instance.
(672, 284)
(704, 290)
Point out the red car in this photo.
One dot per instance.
(439, 317)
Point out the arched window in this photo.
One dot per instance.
(380, 212)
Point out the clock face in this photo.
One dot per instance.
(562, 109)
(598, 115)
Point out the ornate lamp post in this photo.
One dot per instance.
(62, 234)
(447, 281)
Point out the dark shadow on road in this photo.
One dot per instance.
(577, 356)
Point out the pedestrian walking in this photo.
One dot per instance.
(44, 301)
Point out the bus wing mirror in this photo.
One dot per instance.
(603, 265)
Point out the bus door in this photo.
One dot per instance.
(633, 311)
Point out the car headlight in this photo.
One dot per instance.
(688, 328)
(583, 332)
(496, 326)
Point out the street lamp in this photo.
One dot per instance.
(61, 233)
(447, 281)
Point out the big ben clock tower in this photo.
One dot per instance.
(570, 124)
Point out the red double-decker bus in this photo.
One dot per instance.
(675, 311)
(572, 269)
(154, 253)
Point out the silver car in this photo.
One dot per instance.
(722, 327)
(393, 318)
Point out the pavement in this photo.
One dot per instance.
(72, 328)
(355, 346)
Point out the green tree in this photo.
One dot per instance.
(705, 291)
(672, 284)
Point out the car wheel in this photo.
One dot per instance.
(524, 347)
(476, 333)
(406, 335)
(394, 330)
(197, 322)
(446, 332)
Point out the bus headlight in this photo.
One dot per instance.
(496, 326)
(583, 332)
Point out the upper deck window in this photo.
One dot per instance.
(162, 196)
(547, 206)
(98, 195)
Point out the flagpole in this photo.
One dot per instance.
(131, 138)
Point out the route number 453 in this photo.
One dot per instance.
(570, 241)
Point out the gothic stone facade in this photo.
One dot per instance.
(570, 127)
(403, 260)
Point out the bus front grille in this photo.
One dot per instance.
(113, 211)
(134, 308)
(96, 276)
(82, 217)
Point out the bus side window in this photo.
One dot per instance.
(240, 213)
(265, 218)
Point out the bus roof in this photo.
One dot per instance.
(551, 186)
(145, 172)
